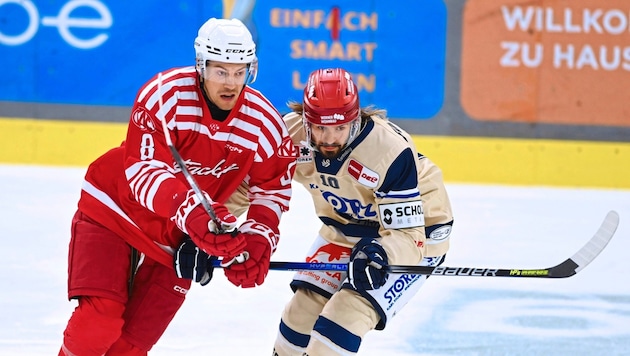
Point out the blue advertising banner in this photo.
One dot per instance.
(395, 50)
(93, 52)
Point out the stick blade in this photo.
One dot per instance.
(590, 251)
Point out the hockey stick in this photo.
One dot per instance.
(567, 268)
(189, 178)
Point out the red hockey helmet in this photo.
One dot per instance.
(331, 98)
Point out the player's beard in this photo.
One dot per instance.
(329, 153)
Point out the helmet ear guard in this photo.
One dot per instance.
(227, 41)
(331, 98)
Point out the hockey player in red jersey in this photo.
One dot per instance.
(136, 204)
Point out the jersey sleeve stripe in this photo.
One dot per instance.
(148, 190)
(277, 198)
(183, 110)
(265, 105)
(188, 94)
(145, 179)
(106, 200)
(269, 122)
(275, 208)
(272, 199)
(167, 107)
(241, 141)
(400, 194)
(167, 83)
(264, 143)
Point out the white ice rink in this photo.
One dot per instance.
(495, 226)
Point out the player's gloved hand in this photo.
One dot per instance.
(261, 243)
(368, 264)
(191, 262)
(193, 219)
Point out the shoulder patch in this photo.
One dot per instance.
(441, 233)
(362, 174)
(287, 149)
(142, 119)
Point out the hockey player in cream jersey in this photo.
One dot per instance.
(380, 203)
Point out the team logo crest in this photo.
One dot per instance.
(213, 128)
(143, 120)
(362, 174)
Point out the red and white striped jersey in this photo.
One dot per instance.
(130, 188)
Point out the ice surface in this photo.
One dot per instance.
(495, 226)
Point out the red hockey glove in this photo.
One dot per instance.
(261, 243)
(193, 219)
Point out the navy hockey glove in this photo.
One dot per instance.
(367, 268)
(191, 262)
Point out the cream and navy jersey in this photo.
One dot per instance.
(378, 187)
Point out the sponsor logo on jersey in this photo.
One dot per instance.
(362, 174)
(195, 168)
(305, 155)
(287, 149)
(402, 215)
(233, 148)
(142, 119)
(329, 253)
(401, 284)
(347, 206)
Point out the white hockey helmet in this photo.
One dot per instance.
(227, 41)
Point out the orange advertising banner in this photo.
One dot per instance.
(547, 61)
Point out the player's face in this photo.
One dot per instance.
(223, 83)
(330, 140)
